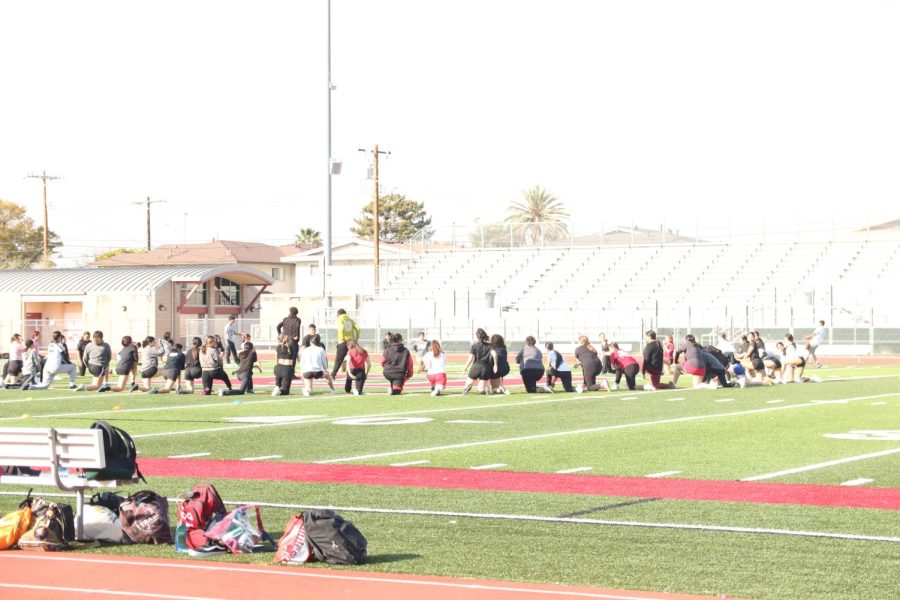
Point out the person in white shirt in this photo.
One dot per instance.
(55, 365)
(435, 364)
(814, 340)
(314, 365)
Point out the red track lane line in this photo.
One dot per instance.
(548, 483)
(56, 576)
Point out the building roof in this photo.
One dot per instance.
(626, 236)
(120, 279)
(353, 250)
(889, 225)
(219, 252)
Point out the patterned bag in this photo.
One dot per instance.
(145, 518)
(49, 531)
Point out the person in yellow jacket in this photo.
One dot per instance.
(347, 330)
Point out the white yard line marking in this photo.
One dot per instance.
(486, 467)
(364, 416)
(465, 422)
(878, 403)
(576, 470)
(195, 455)
(539, 436)
(774, 401)
(283, 419)
(438, 513)
(830, 463)
(663, 474)
(268, 457)
(630, 398)
(100, 592)
(674, 399)
(411, 463)
(860, 481)
(721, 400)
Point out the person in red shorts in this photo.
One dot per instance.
(693, 362)
(435, 364)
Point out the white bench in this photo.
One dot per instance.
(45, 447)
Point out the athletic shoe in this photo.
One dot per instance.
(604, 385)
(250, 392)
(466, 389)
(134, 386)
(354, 391)
(306, 393)
(25, 387)
(222, 392)
(434, 392)
(504, 391)
(276, 391)
(153, 391)
(334, 392)
(548, 389)
(742, 381)
(180, 391)
(488, 391)
(579, 388)
(648, 387)
(671, 386)
(73, 386)
(103, 388)
(815, 379)
(81, 388)
(204, 393)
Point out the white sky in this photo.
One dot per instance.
(629, 111)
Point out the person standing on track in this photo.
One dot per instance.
(230, 348)
(347, 330)
(814, 340)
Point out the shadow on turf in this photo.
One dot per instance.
(390, 558)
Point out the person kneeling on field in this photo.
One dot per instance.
(314, 365)
(398, 365)
(435, 365)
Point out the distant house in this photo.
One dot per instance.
(263, 257)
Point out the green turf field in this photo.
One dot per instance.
(813, 433)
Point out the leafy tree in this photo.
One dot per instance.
(538, 217)
(308, 235)
(118, 251)
(21, 241)
(399, 219)
(490, 235)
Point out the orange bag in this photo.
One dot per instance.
(13, 526)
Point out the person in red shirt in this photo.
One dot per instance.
(624, 365)
(358, 366)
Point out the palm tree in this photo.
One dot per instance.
(538, 217)
(306, 236)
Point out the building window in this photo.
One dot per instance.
(278, 273)
(228, 293)
(200, 296)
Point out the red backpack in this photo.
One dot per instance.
(197, 511)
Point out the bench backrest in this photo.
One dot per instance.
(30, 447)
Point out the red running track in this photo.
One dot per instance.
(548, 483)
(30, 576)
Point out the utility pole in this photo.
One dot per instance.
(148, 203)
(375, 198)
(45, 261)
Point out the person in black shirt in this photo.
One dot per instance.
(499, 365)
(285, 362)
(398, 365)
(480, 362)
(247, 360)
(82, 344)
(192, 370)
(586, 357)
(290, 326)
(653, 362)
(171, 371)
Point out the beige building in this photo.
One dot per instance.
(135, 301)
(255, 255)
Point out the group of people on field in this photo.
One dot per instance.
(744, 362)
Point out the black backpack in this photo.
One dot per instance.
(121, 455)
(333, 539)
